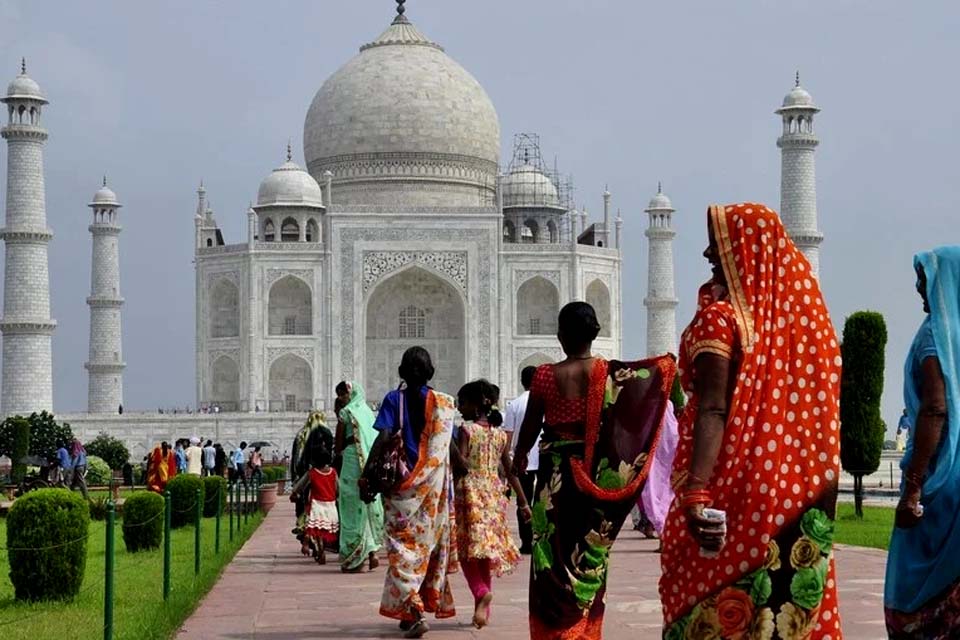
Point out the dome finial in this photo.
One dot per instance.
(798, 79)
(23, 66)
(104, 179)
(401, 19)
(659, 186)
(289, 151)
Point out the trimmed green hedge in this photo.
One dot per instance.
(273, 473)
(98, 471)
(143, 521)
(47, 544)
(212, 486)
(183, 498)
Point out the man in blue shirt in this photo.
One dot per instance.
(237, 472)
(181, 456)
(65, 465)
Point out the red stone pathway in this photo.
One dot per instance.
(270, 592)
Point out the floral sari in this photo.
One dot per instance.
(777, 471)
(594, 459)
(361, 524)
(420, 525)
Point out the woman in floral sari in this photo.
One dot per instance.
(418, 515)
(600, 421)
(922, 595)
(759, 441)
(361, 524)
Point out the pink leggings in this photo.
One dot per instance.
(477, 573)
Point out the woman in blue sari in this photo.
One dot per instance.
(922, 594)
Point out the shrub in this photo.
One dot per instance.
(112, 450)
(45, 434)
(213, 486)
(20, 448)
(272, 474)
(183, 498)
(98, 471)
(47, 541)
(861, 384)
(98, 507)
(143, 521)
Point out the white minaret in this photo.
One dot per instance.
(661, 300)
(798, 180)
(105, 366)
(27, 327)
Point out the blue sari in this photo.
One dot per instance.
(924, 562)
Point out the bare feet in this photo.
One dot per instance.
(374, 562)
(481, 612)
(305, 548)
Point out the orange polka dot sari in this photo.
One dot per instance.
(777, 470)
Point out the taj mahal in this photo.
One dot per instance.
(406, 223)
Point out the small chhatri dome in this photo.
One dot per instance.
(105, 196)
(23, 87)
(798, 96)
(289, 186)
(660, 202)
(527, 186)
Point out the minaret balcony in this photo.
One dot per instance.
(104, 302)
(27, 327)
(806, 238)
(26, 236)
(24, 132)
(105, 367)
(660, 303)
(660, 233)
(797, 140)
(105, 228)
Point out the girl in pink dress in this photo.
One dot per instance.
(484, 541)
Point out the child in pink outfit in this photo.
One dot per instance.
(484, 542)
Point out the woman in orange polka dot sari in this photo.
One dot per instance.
(759, 441)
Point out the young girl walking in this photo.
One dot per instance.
(323, 523)
(484, 542)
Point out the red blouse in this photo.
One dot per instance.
(558, 410)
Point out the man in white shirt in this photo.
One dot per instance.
(194, 457)
(512, 421)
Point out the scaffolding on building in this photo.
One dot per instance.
(527, 157)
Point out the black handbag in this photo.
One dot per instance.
(387, 465)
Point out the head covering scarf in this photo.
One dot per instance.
(779, 460)
(358, 413)
(923, 560)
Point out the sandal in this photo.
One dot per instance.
(481, 611)
(417, 630)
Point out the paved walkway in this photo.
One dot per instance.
(270, 592)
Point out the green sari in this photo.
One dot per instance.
(361, 524)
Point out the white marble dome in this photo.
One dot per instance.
(289, 186)
(798, 97)
(403, 123)
(23, 86)
(105, 196)
(526, 186)
(659, 201)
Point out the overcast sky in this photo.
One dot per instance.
(159, 95)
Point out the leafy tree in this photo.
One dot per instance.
(112, 450)
(862, 429)
(45, 435)
(21, 447)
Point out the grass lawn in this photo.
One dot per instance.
(873, 531)
(139, 610)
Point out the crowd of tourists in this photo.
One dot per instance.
(740, 485)
(239, 465)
